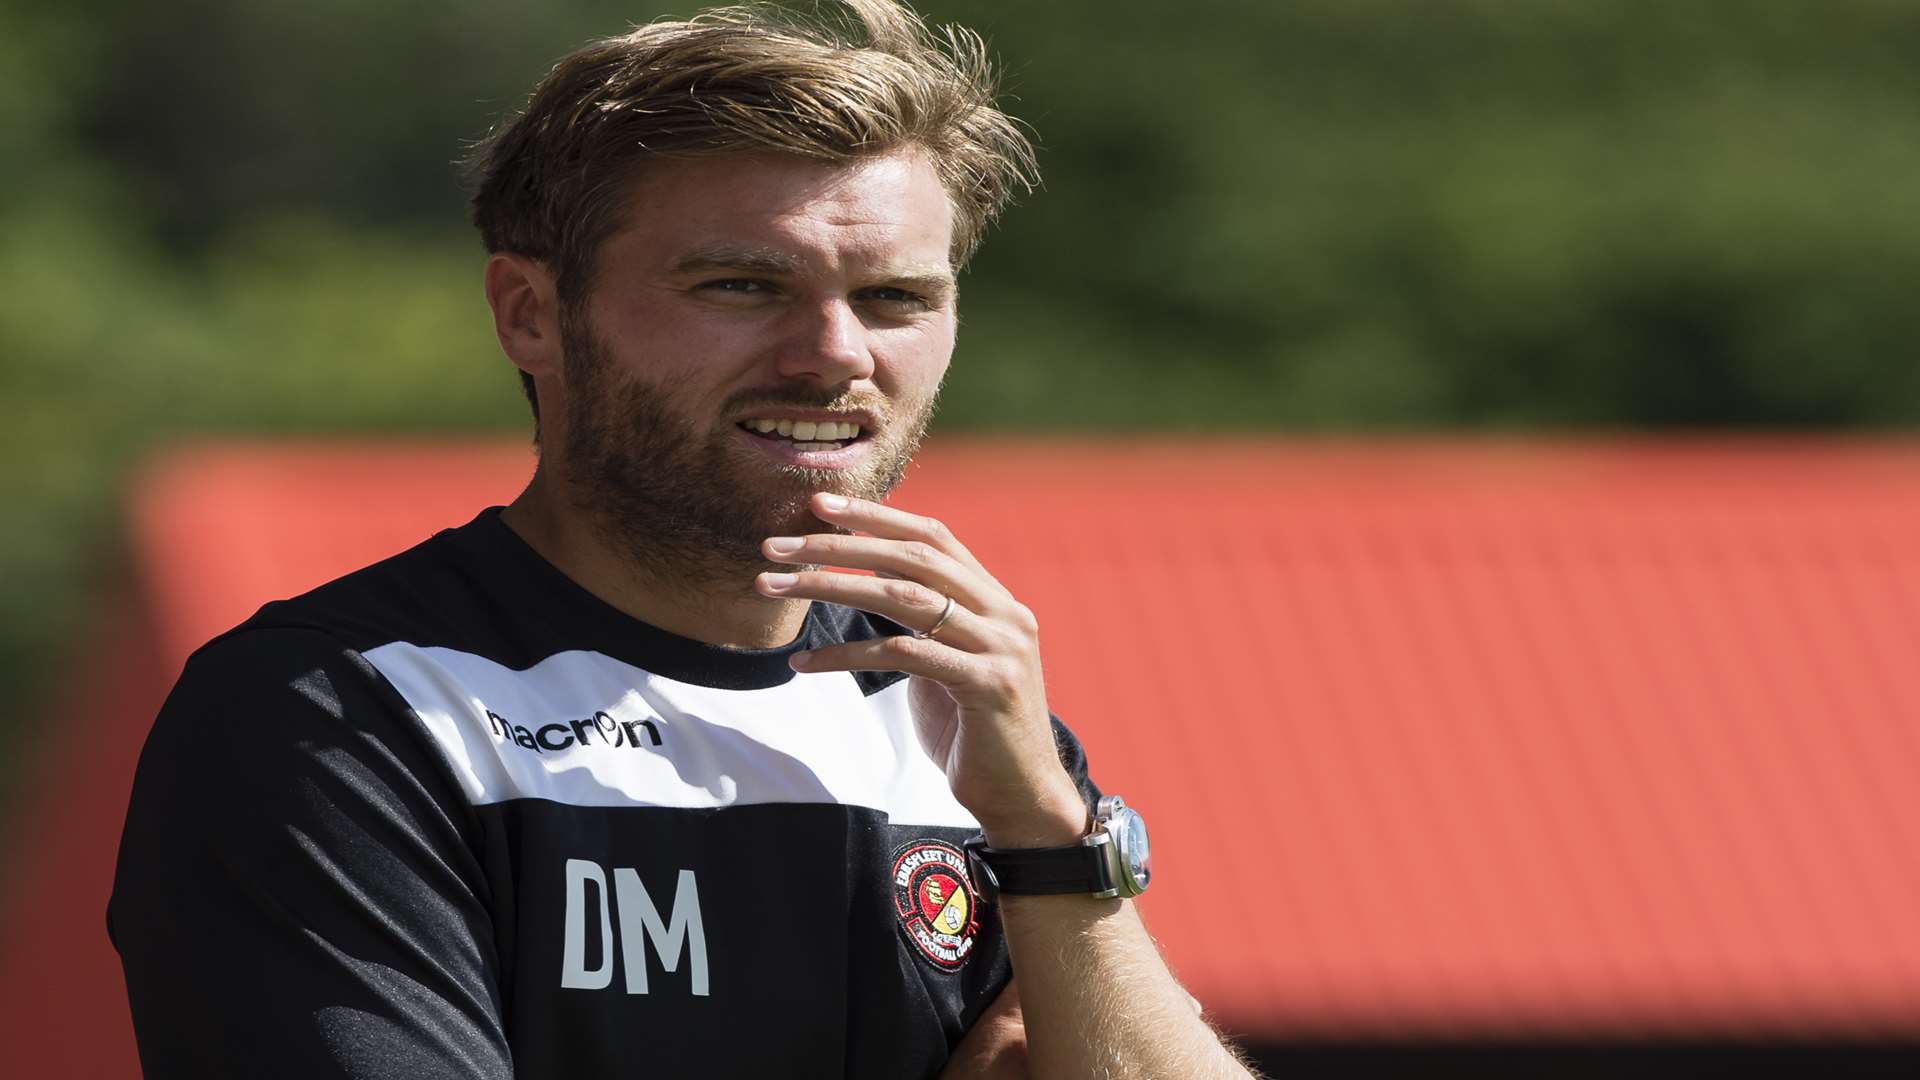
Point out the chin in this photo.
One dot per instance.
(787, 506)
(793, 515)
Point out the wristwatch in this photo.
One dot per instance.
(1111, 860)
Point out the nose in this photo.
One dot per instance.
(827, 344)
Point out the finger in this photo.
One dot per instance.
(909, 603)
(892, 523)
(900, 560)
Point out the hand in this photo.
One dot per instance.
(979, 701)
(995, 1047)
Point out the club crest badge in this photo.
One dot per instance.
(936, 902)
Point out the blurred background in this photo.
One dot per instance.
(1366, 218)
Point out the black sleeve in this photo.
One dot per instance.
(297, 893)
(1074, 758)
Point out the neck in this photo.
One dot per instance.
(713, 603)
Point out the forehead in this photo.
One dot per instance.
(878, 211)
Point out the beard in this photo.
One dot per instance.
(678, 498)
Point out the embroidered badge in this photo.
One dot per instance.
(936, 902)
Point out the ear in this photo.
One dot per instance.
(526, 312)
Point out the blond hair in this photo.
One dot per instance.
(548, 182)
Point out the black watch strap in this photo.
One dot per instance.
(1070, 868)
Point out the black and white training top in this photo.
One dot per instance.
(453, 816)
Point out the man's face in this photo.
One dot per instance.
(743, 293)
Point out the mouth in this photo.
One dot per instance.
(824, 443)
(806, 435)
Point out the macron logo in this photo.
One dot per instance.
(556, 737)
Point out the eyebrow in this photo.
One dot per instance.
(758, 260)
(934, 280)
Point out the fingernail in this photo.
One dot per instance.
(779, 582)
(833, 502)
(799, 659)
(784, 545)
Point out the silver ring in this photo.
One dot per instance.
(945, 614)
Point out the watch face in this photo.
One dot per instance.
(1130, 835)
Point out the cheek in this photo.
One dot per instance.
(913, 365)
(658, 324)
(681, 354)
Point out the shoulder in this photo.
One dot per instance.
(261, 710)
(279, 745)
(298, 662)
(288, 701)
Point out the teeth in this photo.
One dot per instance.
(805, 430)
(816, 446)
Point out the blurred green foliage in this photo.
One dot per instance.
(241, 216)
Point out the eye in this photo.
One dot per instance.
(896, 297)
(735, 285)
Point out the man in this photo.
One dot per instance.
(617, 780)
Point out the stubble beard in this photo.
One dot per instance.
(684, 505)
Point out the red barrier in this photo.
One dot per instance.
(1454, 740)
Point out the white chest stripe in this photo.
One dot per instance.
(585, 729)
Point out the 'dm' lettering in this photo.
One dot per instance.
(683, 931)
